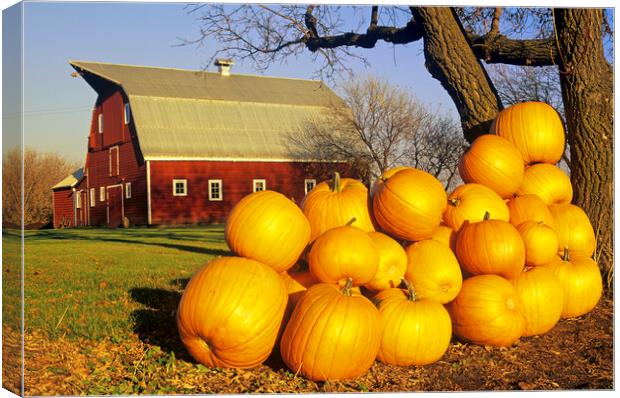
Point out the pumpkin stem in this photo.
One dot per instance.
(410, 290)
(346, 290)
(487, 216)
(336, 182)
(454, 202)
(565, 257)
(350, 222)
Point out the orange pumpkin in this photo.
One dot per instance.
(529, 207)
(384, 177)
(582, 283)
(342, 253)
(490, 247)
(434, 271)
(574, 230)
(487, 310)
(408, 204)
(493, 162)
(534, 128)
(445, 235)
(542, 296)
(392, 263)
(268, 227)
(415, 331)
(470, 202)
(540, 241)
(230, 313)
(332, 334)
(334, 203)
(548, 182)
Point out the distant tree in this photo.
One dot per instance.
(41, 172)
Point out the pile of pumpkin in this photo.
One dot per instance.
(392, 273)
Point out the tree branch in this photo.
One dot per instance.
(500, 49)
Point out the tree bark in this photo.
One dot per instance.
(586, 79)
(450, 59)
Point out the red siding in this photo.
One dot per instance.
(63, 208)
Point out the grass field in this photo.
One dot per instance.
(100, 319)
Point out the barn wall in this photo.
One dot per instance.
(63, 208)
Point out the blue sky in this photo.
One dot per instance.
(57, 106)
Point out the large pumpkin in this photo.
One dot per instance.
(392, 263)
(529, 207)
(470, 202)
(542, 296)
(342, 253)
(547, 182)
(574, 230)
(230, 313)
(332, 334)
(490, 247)
(534, 128)
(415, 331)
(582, 283)
(540, 241)
(408, 204)
(494, 162)
(487, 311)
(434, 270)
(335, 202)
(268, 227)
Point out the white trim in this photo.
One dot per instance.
(254, 181)
(233, 159)
(74, 209)
(78, 199)
(108, 202)
(92, 198)
(148, 192)
(100, 123)
(128, 190)
(221, 189)
(102, 194)
(176, 181)
(126, 113)
(117, 160)
(306, 181)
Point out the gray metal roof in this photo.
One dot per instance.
(196, 114)
(71, 180)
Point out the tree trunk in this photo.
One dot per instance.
(450, 59)
(587, 89)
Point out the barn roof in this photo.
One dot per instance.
(197, 114)
(71, 180)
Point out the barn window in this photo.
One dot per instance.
(309, 184)
(100, 123)
(259, 185)
(92, 197)
(127, 114)
(78, 199)
(179, 187)
(215, 190)
(128, 190)
(114, 160)
(102, 194)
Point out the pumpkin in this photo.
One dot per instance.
(487, 311)
(342, 253)
(384, 177)
(574, 230)
(296, 283)
(415, 331)
(490, 247)
(445, 235)
(409, 203)
(534, 128)
(542, 296)
(582, 283)
(392, 263)
(548, 182)
(469, 202)
(434, 270)
(268, 227)
(230, 313)
(494, 162)
(529, 207)
(334, 202)
(333, 334)
(540, 241)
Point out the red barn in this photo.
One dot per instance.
(171, 146)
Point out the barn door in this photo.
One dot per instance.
(115, 206)
(81, 211)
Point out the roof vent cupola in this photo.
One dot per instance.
(224, 66)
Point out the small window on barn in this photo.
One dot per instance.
(128, 190)
(179, 187)
(215, 190)
(309, 185)
(127, 114)
(92, 198)
(259, 185)
(102, 194)
(100, 123)
(78, 199)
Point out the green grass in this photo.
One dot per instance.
(102, 283)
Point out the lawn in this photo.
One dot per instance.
(100, 319)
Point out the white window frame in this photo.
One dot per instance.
(174, 187)
(127, 190)
(221, 189)
(100, 123)
(118, 160)
(306, 181)
(258, 181)
(78, 200)
(126, 113)
(102, 194)
(91, 197)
